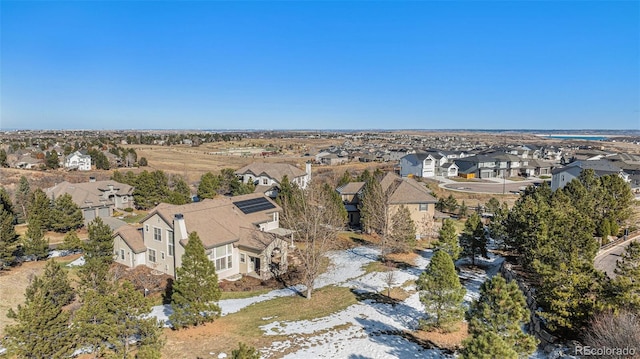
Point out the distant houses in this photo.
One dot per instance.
(78, 161)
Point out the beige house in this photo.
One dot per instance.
(404, 191)
(95, 198)
(241, 235)
(268, 176)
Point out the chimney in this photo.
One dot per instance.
(92, 179)
(179, 227)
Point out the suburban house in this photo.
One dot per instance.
(478, 166)
(350, 194)
(419, 164)
(241, 235)
(414, 196)
(95, 198)
(77, 161)
(561, 176)
(268, 176)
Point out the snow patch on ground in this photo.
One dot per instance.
(78, 262)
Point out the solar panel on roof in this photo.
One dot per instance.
(254, 205)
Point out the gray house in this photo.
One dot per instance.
(95, 198)
(561, 176)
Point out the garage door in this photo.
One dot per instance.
(104, 212)
(89, 214)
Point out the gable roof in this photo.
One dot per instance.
(132, 237)
(350, 188)
(89, 194)
(275, 171)
(405, 190)
(217, 221)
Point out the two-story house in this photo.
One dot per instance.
(414, 196)
(241, 235)
(418, 164)
(350, 194)
(95, 198)
(268, 176)
(78, 161)
(563, 175)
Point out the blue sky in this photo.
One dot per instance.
(320, 65)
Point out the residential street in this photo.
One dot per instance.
(606, 260)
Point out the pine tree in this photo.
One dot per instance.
(71, 242)
(336, 203)
(95, 323)
(34, 243)
(473, 239)
(51, 160)
(195, 290)
(463, 210)
(245, 352)
(501, 310)
(3, 158)
(22, 199)
(98, 256)
(129, 310)
(448, 239)
(8, 236)
(627, 281)
(39, 207)
(487, 345)
(42, 329)
(346, 178)
(208, 187)
(66, 213)
(181, 193)
(441, 293)
(402, 235)
(54, 283)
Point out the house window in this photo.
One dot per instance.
(122, 254)
(157, 234)
(170, 240)
(162, 255)
(222, 256)
(423, 207)
(265, 181)
(152, 255)
(243, 258)
(146, 228)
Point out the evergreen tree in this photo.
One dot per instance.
(181, 193)
(129, 310)
(8, 236)
(195, 290)
(487, 345)
(3, 158)
(151, 189)
(346, 178)
(40, 207)
(402, 235)
(23, 195)
(473, 239)
(336, 203)
(71, 242)
(448, 239)
(51, 160)
(67, 214)
(208, 187)
(54, 283)
(493, 205)
(451, 204)
(142, 162)
(502, 310)
(365, 176)
(99, 159)
(34, 243)
(463, 210)
(441, 293)
(98, 256)
(95, 322)
(245, 352)
(42, 328)
(627, 281)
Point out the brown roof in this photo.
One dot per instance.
(272, 170)
(133, 237)
(405, 190)
(256, 240)
(350, 188)
(217, 221)
(88, 194)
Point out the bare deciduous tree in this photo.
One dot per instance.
(390, 280)
(608, 329)
(316, 223)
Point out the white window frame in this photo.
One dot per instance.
(225, 261)
(243, 258)
(170, 245)
(265, 181)
(121, 254)
(146, 228)
(162, 256)
(157, 231)
(149, 256)
(423, 207)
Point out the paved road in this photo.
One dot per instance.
(489, 187)
(606, 261)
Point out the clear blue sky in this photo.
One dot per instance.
(320, 65)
